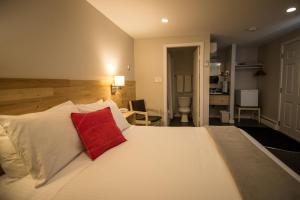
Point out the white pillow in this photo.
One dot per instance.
(11, 162)
(117, 115)
(47, 141)
(67, 103)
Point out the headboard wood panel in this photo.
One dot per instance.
(20, 96)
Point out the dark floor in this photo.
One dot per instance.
(290, 158)
(243, 123)
(272, 138)
(282, 146)
(176, 122)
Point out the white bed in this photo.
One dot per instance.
(155, 163)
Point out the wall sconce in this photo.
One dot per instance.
(119, 81)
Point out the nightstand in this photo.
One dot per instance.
(129, 116)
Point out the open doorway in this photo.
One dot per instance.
(184, 85)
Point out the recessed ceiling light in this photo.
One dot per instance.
(164, 20)
(252, 29)
(291, 9)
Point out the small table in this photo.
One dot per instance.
(129, 116)
(248, 108)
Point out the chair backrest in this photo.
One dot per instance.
(138, 105)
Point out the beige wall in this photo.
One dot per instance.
(183, 61)
(245, 79)
(269, 85)
(66, 39)
(149, 61)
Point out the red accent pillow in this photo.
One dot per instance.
(98, 131)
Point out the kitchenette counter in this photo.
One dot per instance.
(219, 99)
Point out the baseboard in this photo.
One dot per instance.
(269, 122)
(274, 125)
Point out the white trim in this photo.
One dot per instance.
(269, 122)
(232, 83)
(201, 57)
(192, 44)
(165, 49)
(274, 125)
(165, 89)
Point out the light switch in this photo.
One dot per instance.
(157, 79)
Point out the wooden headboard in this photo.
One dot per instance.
(20, 96)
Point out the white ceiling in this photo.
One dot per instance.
(226, 20)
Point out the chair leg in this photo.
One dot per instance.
(146, 120)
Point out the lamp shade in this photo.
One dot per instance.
(119, 80)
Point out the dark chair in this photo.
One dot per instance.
(142, 117)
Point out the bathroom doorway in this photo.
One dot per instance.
(183, 85)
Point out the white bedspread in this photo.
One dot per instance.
(160, 163)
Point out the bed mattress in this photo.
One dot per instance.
(155, 163)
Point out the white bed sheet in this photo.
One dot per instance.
(24, 188)
(155, 163)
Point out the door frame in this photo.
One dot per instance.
(165, 74)
(279, 123)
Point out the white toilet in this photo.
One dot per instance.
(184, 108)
